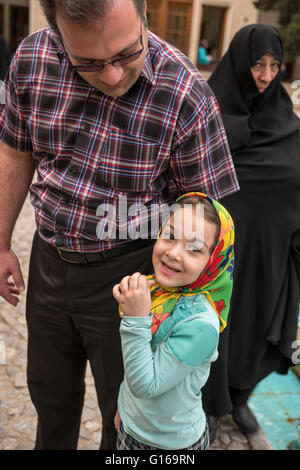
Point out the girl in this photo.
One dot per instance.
(170, 328)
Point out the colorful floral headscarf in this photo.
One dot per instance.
(215, 281)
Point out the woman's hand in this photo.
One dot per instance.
(133, 295)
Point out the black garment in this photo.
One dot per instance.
(263, 134)
(72, 317)
(5, 58)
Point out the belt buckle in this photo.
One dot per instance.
(64, 258)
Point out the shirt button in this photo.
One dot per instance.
(86, 127)
(74, 170)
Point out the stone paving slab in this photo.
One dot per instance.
(17, 414)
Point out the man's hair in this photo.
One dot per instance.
(83, 11)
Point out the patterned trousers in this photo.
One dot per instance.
(127, 442)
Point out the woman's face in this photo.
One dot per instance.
(264, 71)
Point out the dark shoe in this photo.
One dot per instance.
(212, 422)
(245, 419)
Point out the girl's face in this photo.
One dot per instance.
(182, 252)
(264, 71)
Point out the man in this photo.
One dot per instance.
(105, 111)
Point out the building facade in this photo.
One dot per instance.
(185, 22)
(181, 22)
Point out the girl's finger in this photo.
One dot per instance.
(150, 283)
(143, 282)
(134, 281)
(124, 284)
(116, 292)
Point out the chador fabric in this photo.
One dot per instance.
(263, 134)
(5, 57)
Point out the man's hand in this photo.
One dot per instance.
(10, 266)
(133, 294)
(16, 172)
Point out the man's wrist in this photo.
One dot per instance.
(5, 246)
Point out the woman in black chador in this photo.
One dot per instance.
(263, 135)
(5, 57)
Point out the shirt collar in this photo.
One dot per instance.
(60, 48)
(147, 71)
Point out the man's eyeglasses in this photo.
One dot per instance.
(127, 59)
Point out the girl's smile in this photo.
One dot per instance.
(168, 269)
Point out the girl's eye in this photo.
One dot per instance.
(167, 235)
(193, 248)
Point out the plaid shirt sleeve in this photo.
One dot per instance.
(201, 157)
(13, 123)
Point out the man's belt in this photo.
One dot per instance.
(85, 258)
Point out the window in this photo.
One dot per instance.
(171, 20)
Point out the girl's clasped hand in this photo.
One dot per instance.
(133, 295)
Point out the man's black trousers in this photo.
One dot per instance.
(72, 317)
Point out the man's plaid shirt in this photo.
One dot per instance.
(161, 139)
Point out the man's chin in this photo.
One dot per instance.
(114, 92)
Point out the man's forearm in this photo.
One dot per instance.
(16, 172)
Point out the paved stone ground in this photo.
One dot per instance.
(17, 414)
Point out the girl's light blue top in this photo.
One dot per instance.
(160, 398)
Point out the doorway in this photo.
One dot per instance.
(19, 17)
(213, 22)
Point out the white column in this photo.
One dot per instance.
(195, 31)
(37, 19)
